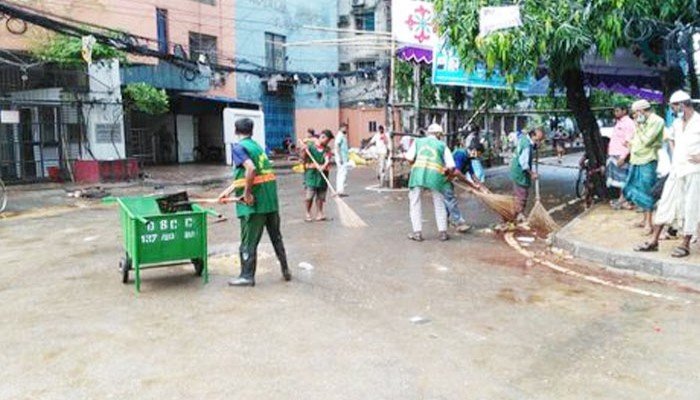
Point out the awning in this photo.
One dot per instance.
(201, 103)
(624, 73)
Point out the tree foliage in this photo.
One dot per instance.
(66, 51)
(430, 94)
(146, 98)
(555, 33)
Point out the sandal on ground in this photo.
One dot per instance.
(416, 236)
(680, 252)
(308, 219)
(321, 219)
(647, 247)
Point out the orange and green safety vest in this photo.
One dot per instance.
(428, 170)
(264, 183)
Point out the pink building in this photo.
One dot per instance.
(192, 44)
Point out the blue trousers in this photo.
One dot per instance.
(452, 205)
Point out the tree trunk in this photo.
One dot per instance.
(692, 73)
(580, 106)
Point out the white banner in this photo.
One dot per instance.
(495, 18)
(412, 23)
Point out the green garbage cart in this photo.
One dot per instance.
(154, 239)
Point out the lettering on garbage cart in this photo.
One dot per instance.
(167, 230)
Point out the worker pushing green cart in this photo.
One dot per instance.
(154, 238)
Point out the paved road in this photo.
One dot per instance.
(378, 317)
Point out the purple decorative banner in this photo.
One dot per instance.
(415, 55)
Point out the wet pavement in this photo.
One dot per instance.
(368, 314)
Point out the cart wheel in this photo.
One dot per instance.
(198, 266)
(124, 267)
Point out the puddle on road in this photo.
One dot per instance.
(226, 264)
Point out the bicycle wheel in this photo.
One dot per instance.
(3, 196)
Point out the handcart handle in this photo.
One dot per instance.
(130, 214)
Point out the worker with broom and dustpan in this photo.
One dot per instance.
(431, 161)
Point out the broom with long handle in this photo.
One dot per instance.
(539, 218)
(348, 217)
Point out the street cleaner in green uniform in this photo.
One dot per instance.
(255, 184)
(315, 186)
(522, 172)
(432, 162)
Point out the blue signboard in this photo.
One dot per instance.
(447, 70)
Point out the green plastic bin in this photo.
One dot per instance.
(153, 239)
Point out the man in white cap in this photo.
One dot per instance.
(644, 149)
(431, 161)
(680, 201)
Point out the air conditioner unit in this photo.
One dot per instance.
(358, 3)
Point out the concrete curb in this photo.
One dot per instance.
(668, 269)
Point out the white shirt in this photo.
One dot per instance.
(686, 143)
(377, 141)
(446, 155)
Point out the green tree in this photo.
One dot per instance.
(556, 33)
(146, 98)
(66, 51)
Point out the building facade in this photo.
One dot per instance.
(364, 27)
(288, 41)
(63, 109)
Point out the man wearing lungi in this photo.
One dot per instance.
(617, 166)
(680, 201)
(644, 149)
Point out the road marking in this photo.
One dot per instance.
(564, 205)
(380, 189)
(512, 242)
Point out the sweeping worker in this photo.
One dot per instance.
(256, 185)
(644, 150)
(680, 200)
(521, 171)
(431, 161)
(464, 173)
(315, 184)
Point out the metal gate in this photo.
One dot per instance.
(279, 117)
(42, 145)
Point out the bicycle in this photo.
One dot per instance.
(585, 186)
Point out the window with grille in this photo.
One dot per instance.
(364, 21)
(201, 44)
(209, 2)
(275, 52)
(364, 65)
(372, 126)
(344, 67)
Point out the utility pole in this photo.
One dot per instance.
(416, 96)
(390, 100)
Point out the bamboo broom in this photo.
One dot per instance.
(539, 218)
(348, 217)
(502, 205)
